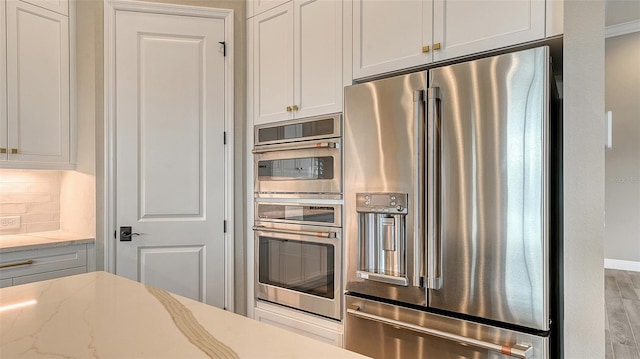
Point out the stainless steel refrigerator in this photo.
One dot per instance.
(451, 206)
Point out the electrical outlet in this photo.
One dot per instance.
(9, 222)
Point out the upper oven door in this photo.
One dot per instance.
(309, 169)
(307, 129)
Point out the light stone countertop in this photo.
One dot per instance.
(100, 315)
(27, 241)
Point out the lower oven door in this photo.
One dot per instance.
(382, 330)
(299, 267)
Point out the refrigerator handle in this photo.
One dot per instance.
(519, 350)
(418, 202)
(434, 247)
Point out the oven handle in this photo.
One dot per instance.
(519, 350)
(301, 233)
(295, 146)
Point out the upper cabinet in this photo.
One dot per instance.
(59, 6)
(390, 36)
(467, 27)
(297, 60)
(37, 132)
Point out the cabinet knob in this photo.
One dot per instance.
(14, 151)
(425, 49)
(289, 109)
(3, 150)
(436, 46)
(295, 107)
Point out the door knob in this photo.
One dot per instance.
(126, 234)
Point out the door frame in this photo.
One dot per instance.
(109, 197)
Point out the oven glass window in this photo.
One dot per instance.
(287, 169)
(298, 213)
(301, 266)
(296, 130)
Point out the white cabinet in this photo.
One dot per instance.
(467, 27)
(297, 60)
(3, 81)
(33, 265)
(37, 129)
(59, 6)
(324, 330)
(390, 36)
(256, 7)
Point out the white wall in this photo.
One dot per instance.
(622, 190)
(583, 89)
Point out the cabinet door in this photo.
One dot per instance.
(260, 6)
(3, 87)
(37, 83)
(317, 57)
(465, 27)
(273, 65)
(59, 6)
(390, 35)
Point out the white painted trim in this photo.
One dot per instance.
(73, 93)
(110, 8)
(250, 254)
(622, 265)
(622, 29)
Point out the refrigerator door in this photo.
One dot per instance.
(381, 330)
(488, 246)
(383, 177)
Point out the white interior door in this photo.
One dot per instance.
(169, 119)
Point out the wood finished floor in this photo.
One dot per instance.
(622, 314)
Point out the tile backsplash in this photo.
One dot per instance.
(34, 195)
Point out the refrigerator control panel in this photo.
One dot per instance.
(392, 203)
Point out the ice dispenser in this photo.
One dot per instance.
(382, 237)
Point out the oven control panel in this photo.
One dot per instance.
(392, 203)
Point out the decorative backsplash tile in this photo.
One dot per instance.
(34, 195)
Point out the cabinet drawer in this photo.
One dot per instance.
(6, 282)
(49, 275)
(42, 260)
(300, 325)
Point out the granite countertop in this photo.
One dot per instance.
(100, 315)
(27, 241)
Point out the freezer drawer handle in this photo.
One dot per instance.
(295, 146)
(518, 350)
(15, 264)
(301, 233)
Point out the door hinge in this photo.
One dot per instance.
(224, 137)
(224, 226)
(224, 47)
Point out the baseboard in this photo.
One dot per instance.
(622, 265)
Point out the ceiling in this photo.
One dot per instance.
(621, 11)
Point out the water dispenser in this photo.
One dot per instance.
(382, 237)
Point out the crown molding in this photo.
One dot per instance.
(622, 29)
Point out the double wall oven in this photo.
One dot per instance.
(298, 216)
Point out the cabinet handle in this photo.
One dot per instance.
(436, 46)
(14, 151)
(425, 49)
(289, 109)
(15, 264)
(3, 150)
(295, 107)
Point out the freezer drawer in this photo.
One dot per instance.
(381, 330)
